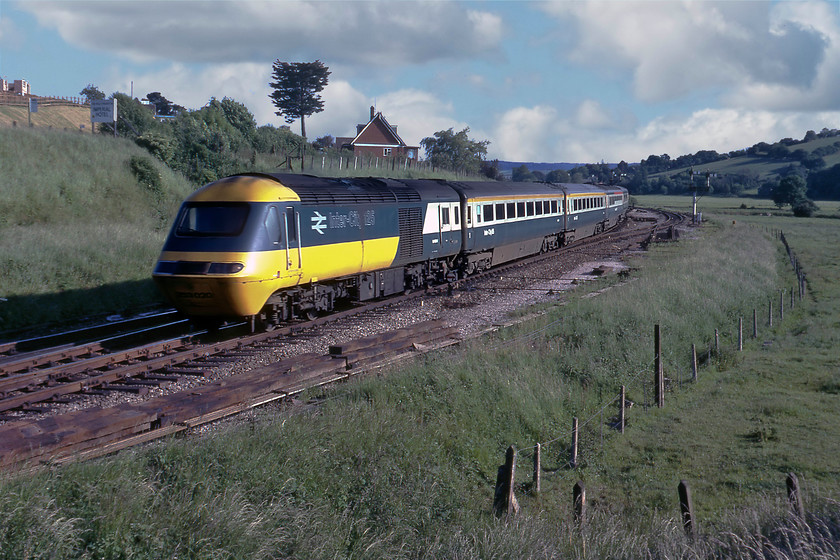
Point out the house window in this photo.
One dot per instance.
(386, 152)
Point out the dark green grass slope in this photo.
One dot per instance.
(80, 232)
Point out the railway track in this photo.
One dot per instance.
(100, 330)
(37, 388)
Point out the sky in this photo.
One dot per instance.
(558, 81)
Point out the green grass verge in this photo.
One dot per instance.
(80, 232)
(403, 465)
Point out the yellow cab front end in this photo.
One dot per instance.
(229, 248)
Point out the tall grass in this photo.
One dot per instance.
(80, 232)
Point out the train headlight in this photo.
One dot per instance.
(225, 268)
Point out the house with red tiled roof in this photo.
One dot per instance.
(378, 138)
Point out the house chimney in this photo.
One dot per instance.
(372, 112)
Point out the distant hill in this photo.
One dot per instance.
(506, 167)
(762, 166)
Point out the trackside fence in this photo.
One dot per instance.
(586, 435)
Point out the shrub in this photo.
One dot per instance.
(147, 175)
(804, 208)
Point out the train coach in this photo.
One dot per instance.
(271, 247)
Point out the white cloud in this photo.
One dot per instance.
(11, 37)
(226, 31)
(672, 49)
(591, 115)
(193, 88)
(544, 134)
(524, 134)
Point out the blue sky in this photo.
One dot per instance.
(562, 81)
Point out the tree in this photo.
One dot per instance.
(324, 142)
(522, 174)
(296, 89)
(455, 150)
(804, 208)
(558, 176)
(790, 190)
(237, 115)
(162, 105)
(133, 118)
(92, 93)
(490, 169)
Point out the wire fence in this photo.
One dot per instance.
(586, 438)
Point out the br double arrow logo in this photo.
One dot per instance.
(319, 223)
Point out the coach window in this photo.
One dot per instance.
(553, 206)
(457, 215)
(444, 216)
(530, 205)
(500, 211)
(538, 208)
(488, 212)
(272, 225)
(511, 209)
(520, 209)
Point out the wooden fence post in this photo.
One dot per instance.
(537, 468)
(579, 502)
(755, 323)
(658, 374)
(694, 362)
(622, 411)
(792, 300)
(717, 343)
(687, 508)
(740, 334)
(770, 314)
(505, 501)
(574, 457)
(781, 305)
(795, 496)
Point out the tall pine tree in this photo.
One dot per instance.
(296, 89)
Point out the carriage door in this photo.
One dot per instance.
(450, 227)
(291, 225)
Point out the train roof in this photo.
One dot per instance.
(314, 190)
(318, 191)
(496, 189)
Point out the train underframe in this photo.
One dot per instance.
(312, 300)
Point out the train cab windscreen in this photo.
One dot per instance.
(213, 219)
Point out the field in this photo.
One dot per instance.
(739, 206)
(59, 117)
(403, 464)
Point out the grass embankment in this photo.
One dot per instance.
(80, 232)
(403, 465)
(60, 117)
